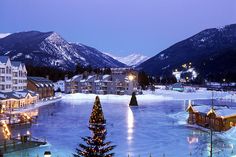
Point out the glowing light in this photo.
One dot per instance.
(28, 132)
(131, 77)
(130, 122)
(6, 131)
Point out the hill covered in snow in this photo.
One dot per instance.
(133, 59)
(51, 50)
(212, 52)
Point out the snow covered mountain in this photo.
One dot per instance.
(212, 52)
(3, 35)
(50, 49)
(131, 60)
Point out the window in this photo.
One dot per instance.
(2, 87)
(2, 70)
(2, 78)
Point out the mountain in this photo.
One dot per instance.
(210, 52)
(3, 35)
(131, 60)
(50, 49)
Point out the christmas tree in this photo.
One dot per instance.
(97, 116)
(95, 145)
(133, 101)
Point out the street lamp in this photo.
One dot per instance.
(47, 154)
(131, 84)
(131, 77)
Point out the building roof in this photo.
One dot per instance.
(177, 85)
(219, 111)
(106, 77)
(4, 59)
(16, 94)
(76, 77)
(41, 81)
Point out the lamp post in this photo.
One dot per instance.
(131, 78)
(47, 154)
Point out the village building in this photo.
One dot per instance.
(13, 75)
(120, 81)
(87, 85)
(43, 86)
(125, 80)
(59, 86)
(71, 85)
(10, 101)
(218, 120)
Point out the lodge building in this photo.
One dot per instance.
(43, 86)
(208, 117)
(17, 99)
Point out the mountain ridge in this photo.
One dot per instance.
(50, 49)
(202, 50)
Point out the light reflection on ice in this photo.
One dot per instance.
(130, 124)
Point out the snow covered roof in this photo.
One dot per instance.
(76, 77)
(220, 111)
(90, 77)
(41, 81)
(177, 85)
(106, 77)
(82, 80)
(16, 94)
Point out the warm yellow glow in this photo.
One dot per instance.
(131, 77)
(184, 65)
(28, 117)
(130, 126)
(6, 131)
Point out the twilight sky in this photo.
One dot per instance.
(119, 27)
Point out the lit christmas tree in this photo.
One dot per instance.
(97, 117)
(95, 145)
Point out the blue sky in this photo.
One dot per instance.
(119, 27)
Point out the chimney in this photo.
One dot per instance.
(47, 76)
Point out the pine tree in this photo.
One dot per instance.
(133, 100)
(97, 116)
(95, 145)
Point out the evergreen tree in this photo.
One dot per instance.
(95, 145)
(133, 100)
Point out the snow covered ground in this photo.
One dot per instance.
(158, 95)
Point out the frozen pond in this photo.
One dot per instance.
(153, 127)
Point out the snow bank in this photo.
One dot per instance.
(116, 98)
(197, 95)
(230, 97)
(158, 95)
(230, 134)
